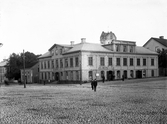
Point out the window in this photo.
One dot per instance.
(118, 61)
(77, 75)
(144, 62)
(138, 62)
(102, 61)
(131, 73)
(109, 61)
(125, 61)
(144, 73)
(61, 63)
(56, 51)
(48, 64)
(44, 65)
(124, 48)
(90, 61)
(102, 73)
(131, 61)
(90, 74)
(118, 75)
(152, 62)
(57, 64)
(117, 48)
(131, 49)
(71, 62)
(71, 75)
(61, 51)
(52, 64)
(66, 75)
(41, 65)
(66, 62)
(152, 73)
(76, 62)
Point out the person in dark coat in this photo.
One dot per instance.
(94, 84)
(103, 78)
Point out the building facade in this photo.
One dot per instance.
(31, 74)
(79, 62)
(3, 71)
(156, 44)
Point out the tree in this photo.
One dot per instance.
(15, 63)
(162, 57)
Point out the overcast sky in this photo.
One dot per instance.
(35, 25)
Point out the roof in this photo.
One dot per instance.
(3, 63)
(159, 40)
(63, 45)
(143, 50)
(47, 54)
(88, 47)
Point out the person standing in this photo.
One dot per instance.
(103, 78)
(94, 84)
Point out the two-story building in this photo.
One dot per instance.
(113, 58)
(3, 71)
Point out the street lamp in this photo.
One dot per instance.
(24, 69)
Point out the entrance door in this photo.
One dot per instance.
(125, 74)
(57, 76)
(110, 75)
(138, 74)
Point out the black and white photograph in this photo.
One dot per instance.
(83, 61)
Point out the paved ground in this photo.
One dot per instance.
(141, 101)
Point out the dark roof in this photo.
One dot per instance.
(143, 50)
(46, 55)
(159, 40)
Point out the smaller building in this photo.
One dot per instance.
(155, 44)
(31, 74)
(3, 70)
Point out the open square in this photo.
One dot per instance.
(117, 102)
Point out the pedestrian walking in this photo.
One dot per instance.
(103, 78)
(94, 84)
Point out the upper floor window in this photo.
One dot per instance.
(144, 62)
(61, 63)
(57, 64)
(131, 49)
(56, 52)
(44, 65)
(71, 62)
(66, 62)
(52, 64)
(131, 61)
(138, 62)
(118, 61)
(41, 65)
(90, 61)
(117, 47)
(48, 64)
(102, 61)
(76, 61)
(124, 48)
(125, 61)
(61, 51)
(109, 61)
(152, 62)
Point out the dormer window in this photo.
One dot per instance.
(131, 49)
(117, 48)
(56, 51)
(61, 51)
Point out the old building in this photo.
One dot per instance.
(155, 44)
(2, 70)
(114, 58)
(31, 74)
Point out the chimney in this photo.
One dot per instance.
(161, 37)
(72, 43)
(83, 40)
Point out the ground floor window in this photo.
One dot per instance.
(77, 75)
(152, 73)
(71, 75)
(90, 75)
(102, 73)
(118, 74)
(125, 74)
(131, 73)
(66, 75)
(144, 73)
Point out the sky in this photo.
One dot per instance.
(36, 25)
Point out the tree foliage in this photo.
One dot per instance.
(162, 57)
(15, 63)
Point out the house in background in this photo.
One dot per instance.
(156, 44)
(2, 71)
(111, 58)
(31, 74)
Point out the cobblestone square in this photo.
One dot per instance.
(141, 101)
